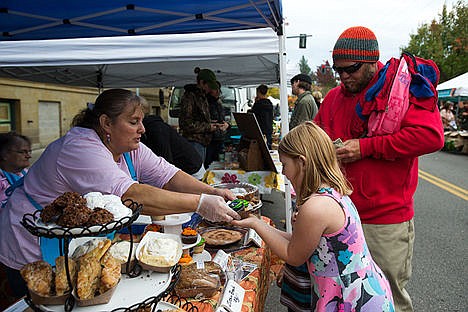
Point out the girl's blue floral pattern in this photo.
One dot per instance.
(345, 278)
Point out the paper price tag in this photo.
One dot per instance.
(233, 297)
(200, 264)
(253, 236)
(221, 258)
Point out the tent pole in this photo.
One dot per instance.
(284, 122)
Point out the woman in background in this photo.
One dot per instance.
(15, 153)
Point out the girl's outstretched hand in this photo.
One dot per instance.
(248, 222)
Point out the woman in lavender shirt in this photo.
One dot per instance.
(88, 158)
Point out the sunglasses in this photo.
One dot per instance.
(348, 69)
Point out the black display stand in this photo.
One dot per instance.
(64, 235)
(249, 129)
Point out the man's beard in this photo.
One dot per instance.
(357, 86)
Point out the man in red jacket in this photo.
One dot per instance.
(383, 170)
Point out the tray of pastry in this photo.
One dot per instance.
(70, 215)
(200, 282)
(226, 238)
(97, 282)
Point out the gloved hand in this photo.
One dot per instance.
(225, 193)
(214, 209)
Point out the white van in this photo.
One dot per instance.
(234, 99)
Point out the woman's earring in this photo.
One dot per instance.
(108, 138)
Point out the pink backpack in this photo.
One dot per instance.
(386, 122)
(399, 82)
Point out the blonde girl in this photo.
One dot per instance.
(327, 234)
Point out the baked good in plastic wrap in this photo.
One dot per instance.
(200, 283)
(98, 276)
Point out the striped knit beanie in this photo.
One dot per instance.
(357, 44)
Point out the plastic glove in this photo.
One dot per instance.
(214, 209)
(225, 193)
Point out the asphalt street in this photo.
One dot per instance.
(439, 280)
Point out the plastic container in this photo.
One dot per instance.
(170, 263)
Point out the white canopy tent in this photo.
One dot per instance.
(454, 87)
(145, 43)
(243, 57)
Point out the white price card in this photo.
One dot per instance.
(200, 264)
(221, 258)
(253, 236)
(233, 297)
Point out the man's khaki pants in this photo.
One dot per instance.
(391, 247)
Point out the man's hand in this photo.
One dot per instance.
(223, 126)
(350, 152)
(213, 127)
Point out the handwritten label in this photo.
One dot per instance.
(221, 258)
(253, 236)
(233, 297)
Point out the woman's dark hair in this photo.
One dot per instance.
(112, 103)
(9, 140)
(263, 89)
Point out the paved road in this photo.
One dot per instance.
(440, 271)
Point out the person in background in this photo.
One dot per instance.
(194, 120)
(102, 153)
(327, 234)
(382, 169)
(447, 116)
(167, 143)
(216, 145)
(263, 110)
(462, 116)
(304, 107)
(318, 98)
(15, 153)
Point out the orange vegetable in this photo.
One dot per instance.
(189, 231)
(185, 258)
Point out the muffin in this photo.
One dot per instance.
(189, 235)
(198, 249)
(186, 259)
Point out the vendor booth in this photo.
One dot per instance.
(455, 90)
(142, 44)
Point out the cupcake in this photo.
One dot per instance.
(198, 249)
(186, 259)
(189, 235)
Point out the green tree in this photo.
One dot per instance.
(304, 67)
(445, 41)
